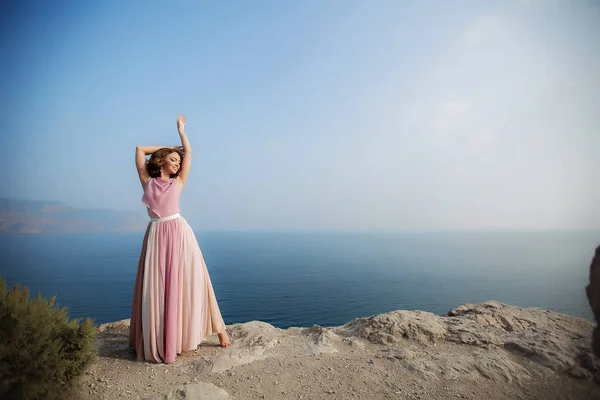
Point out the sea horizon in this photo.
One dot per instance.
(300, 278)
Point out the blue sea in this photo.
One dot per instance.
(306, 278)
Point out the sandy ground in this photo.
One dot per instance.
(264, 362)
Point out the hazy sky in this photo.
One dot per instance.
(312, 114)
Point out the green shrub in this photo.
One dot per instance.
(42, 351)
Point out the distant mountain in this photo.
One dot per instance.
(20, 216)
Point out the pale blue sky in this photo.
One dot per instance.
(320, 115)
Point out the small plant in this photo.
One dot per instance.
(42, 351)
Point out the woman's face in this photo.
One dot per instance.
(171, 163)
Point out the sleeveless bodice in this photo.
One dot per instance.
(161, 197)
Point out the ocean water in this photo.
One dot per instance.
(306, 278)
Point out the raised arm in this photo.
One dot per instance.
(187, 149)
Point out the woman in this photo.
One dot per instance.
(174, 306)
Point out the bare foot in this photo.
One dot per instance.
(224, 339)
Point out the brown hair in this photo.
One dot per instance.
(156, 160)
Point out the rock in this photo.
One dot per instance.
(547, 338)
(492, 313)
(254, 334)
(118, 326)
(250, 342)
(552, 340)
(471, 364)
(587, 361)
(321, 336)
(551, 355)
(472, 343)
(580, 373)
(396, 327)
(193, 391)
(356, 344)
(470, 331)
(592, 291)
(399, 354)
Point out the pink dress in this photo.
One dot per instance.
(174, 306)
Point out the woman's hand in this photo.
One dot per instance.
(181, 120)
(187, 150)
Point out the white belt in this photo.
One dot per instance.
(163, 219)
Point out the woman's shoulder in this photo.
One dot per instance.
(147, 183)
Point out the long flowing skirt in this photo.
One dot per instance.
(174, 306)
